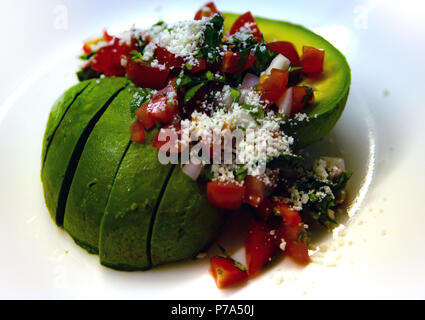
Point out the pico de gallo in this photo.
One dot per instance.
(205, 79)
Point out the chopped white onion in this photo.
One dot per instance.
(334, 166)
(285, 103)
(192, 170)
(279, 62)
(248, 82)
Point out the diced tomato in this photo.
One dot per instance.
(144, 117)
(295, 246)
(289, 215)
(231, 62)
(106, 36)
(163, 106)
(137, 132)
(246, 22)
(170, 134)
(301, 96)
(226, 273)
(254, 191)
(312, 59)
(167, 58)
(273, 86)
(146, 76)
(207, 10)
(287, 49)
(201, 65)
(259, 246)
(108, 60)
(87, 48)
(265, 209)
(225, 195)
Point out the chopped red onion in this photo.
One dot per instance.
(192, 170)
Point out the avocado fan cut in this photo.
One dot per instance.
(97, 168)
(127, 221)
(57, 113)
(69, 140)
(151, 214)
(185, 222)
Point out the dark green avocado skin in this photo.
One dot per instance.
(96, 171)
(68, 141)
(185, 222)
(126, 224)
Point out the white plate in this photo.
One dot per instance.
(381, 252)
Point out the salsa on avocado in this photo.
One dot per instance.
(204, 79)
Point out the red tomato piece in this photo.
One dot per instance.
(146, 76)
(225, 195)
(108, 60)
(287, 49)
(259, 246)
(163, 106)
(273, 86)
(137, 132)
(144, 117)
(246, 22)
(226, 273)
(202, 65)
(168, 59)
(107, 36)
(231, 62)
(295, 248)
(289, 215)
(265, 209)
(207, 10)
(312, 59)
(254, 191)
(301, 96)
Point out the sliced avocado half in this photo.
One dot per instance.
(61, 106)
(96, 170)
(127, 222)
(185, 222)
(69, 140)
(120, 201)
(332, 86)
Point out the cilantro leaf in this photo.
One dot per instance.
(213, 34)
(192, 91)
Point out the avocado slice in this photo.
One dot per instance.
(69, 140)
(61, 106)
(185, 222)
(96, 171)
(332, 85)
(128, 217)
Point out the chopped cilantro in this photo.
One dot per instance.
(213, 34)
(87, 56)
(88, 73)
(136, 55)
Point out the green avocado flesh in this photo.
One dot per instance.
(96, 171)
(185, 221)
(57, 113)
(332, 86)
(126, 225)
(116, 199)
(68, 142)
